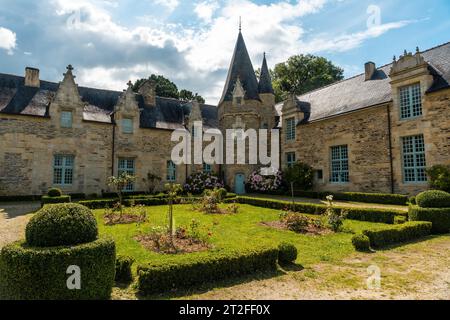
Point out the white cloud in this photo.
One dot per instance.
(206, 9)
(7, 40)
(171, 5)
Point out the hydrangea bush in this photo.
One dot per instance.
(260, 183)
(197, 183)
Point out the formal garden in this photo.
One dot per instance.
(158, 245)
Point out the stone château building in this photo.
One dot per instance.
(376, 132)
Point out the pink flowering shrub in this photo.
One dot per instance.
(260, 183)
(201, 181)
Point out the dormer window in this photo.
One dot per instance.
(410, 101)
(66, 119)
(127, 125)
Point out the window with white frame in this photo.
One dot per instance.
(410, 101)
(66, 119)
(290, 129)
(290, 159)
(127, 166)
(339, 164)
(414, 162)
(207, 168)
(127, 125)
(171, 171)
(63, 169)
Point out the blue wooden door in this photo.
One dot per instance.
(239, 184)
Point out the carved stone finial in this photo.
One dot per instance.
(69, 68)
(240, 23)
(395, 58)
(417, 50)
(405, 53)
(129, 84)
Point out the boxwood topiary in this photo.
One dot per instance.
(123, 269)
(361, 242)
(61, 225)
(433, 199)
(28, 273)
(54, 192)
(440, 217)
(287, 253)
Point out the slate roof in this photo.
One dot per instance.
(356, 93)
(265, 82)
(241, 67)
(16, 98)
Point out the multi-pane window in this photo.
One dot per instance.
(339, 164)
(171, 171)
(127, 125)
(414, 162)
(290, 129)
(66, 119)
(290, 159)
(410, 101)
(207, 168)
(127, 165)
(63, 169)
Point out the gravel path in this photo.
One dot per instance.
(13, 219)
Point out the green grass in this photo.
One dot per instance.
(235, 232)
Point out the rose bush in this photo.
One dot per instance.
(197, 183)
(260, 183)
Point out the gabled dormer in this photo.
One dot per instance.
(410, 79)
(238, 93)
(126, 112)
(66, 109)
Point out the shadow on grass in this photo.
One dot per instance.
(206, 287)
(402, 244)
(292, 267)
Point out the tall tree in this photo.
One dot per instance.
(303, 73)
(167, 89)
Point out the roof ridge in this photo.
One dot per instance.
(361, 74)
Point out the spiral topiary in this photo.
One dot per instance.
(61, 225)
(361, 242)
(54, 192)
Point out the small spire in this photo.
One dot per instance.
(395, 58)
(405, 52)
(417, 49)
(69, 68)
(129, 84)
(240, 23)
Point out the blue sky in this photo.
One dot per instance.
(112, 41)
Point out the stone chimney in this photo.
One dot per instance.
(370, 69)
(32, 77)
(148, 92)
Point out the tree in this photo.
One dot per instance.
(186, 95)
(119, 183)
(172, 192)
(300, 175)
(439, 177)
(303, 73)
(167, 89)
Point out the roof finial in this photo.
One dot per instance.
(417, 50)
(240, 23)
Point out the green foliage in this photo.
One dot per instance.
(54, 192)
(123, 269)
(159, 277)
(53, 200)
(287, 253)
(362, 214)
(433, 199)
(412, 200)
(295, 222)
(440, 217)
(301, 175)
(303, 73)
(361, 242)
(186, 95)
(439, 177)
(40, 273)
(222, 192)
(119, 184)
(381, 198)
(398, 233)
(60, 225)
(335, 217)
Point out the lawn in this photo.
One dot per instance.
(235, 232)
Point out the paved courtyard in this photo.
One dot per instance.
(13, 219)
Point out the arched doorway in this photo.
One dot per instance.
(239, 183)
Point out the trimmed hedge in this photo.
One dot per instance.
(362, 214)
(440, 217)
(52, 200)
(19, 198)
(41, 273)
(61, 225)
(398, 233)
(433, 199)
(161, 277)
(123, 269)
(54, 192)
(361, 242)
(381, 198)
(287, 253)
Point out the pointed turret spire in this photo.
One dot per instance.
(241, 67)
(265, 82)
